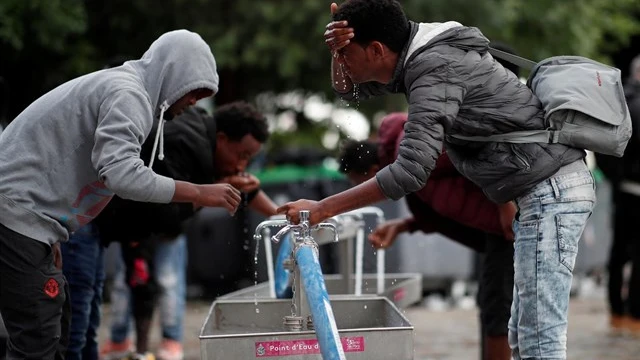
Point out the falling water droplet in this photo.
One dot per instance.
(255, 271)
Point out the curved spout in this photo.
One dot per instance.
(268, 223)
(374, 210)
(331, 227)
(276, 238)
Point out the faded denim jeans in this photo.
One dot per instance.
(83, 266)
(170, 272)
(548, 227)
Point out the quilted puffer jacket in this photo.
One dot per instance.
(447, 192)
(454, 86)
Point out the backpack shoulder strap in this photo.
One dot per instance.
(514, 59)
(516, 137)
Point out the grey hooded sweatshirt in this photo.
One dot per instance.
(65, 156)
(454, 86)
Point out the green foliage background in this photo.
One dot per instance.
(270, 45)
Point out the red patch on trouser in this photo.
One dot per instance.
(51, 288)
(140, 275)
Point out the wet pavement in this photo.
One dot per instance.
(453, 333)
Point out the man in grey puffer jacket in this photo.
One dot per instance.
(454, 86)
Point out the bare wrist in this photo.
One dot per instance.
(186, 192)
(323, 210)
(410, 225)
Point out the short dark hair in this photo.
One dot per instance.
(240, 118)
(358, 156)
(376, 20)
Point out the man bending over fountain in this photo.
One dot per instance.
(455, 87)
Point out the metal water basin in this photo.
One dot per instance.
(369, 327)
(403, 289)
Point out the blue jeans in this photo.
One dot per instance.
(548, 227)
(170, 273)
(83, 266)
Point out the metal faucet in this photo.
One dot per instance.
(332, 227)
(302, 231)
(268, 223)
(301, 237)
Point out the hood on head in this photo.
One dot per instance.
(177, 63)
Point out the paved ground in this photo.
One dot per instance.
(452, 334)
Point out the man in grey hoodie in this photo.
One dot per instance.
(455, 87)
(67, 154)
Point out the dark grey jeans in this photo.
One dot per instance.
(34, 298)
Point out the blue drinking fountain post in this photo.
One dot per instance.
(310, 304)
(283, 267)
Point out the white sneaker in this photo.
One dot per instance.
(170, 350)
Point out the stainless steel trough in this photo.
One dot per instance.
(370, 328)
(404, 289)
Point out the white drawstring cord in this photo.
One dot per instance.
(161, 151)
(159, 136)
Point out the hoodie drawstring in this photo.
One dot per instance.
(159, 136)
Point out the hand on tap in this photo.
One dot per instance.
(292, 211)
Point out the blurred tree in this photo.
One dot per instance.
(272, 45)
(542, 28)
(41, 46)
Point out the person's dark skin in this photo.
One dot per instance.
(247, 183)
(373, 62)
(209, 195)
(231, 161)
(57, 255)
(359, 63)
(386, 234)
(379, 65)
(383, 236)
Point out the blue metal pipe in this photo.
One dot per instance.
(318, 300)
(282, 276)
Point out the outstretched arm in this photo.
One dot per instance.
(359, 196)
(263, 204)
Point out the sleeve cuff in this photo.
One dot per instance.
(165, 189)
(388, 184)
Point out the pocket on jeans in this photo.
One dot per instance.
(569, 228)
